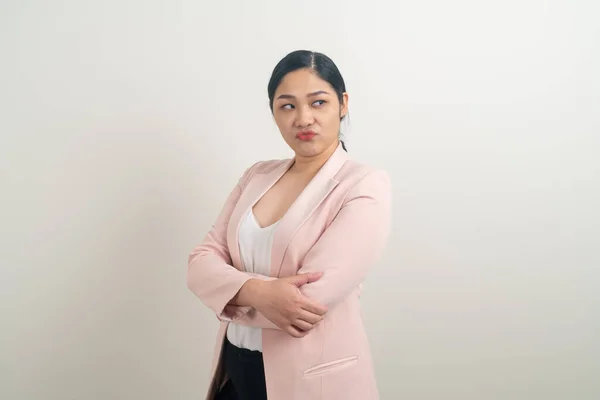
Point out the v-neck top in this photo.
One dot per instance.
(255, 252)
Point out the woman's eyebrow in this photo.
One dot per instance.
(318, 92)
(290, 96)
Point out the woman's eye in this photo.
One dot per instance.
(287, 107)
(319, 103)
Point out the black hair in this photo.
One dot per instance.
(319, 63)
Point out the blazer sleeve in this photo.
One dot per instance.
(353, 242)
(210, 275)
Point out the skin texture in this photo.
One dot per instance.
(302, 102)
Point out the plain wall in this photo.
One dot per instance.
(125, 124)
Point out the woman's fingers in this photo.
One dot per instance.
(313, 307)
(303, 325)
(310, 317)
(295, 332)
(306, 320)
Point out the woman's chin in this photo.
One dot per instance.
(307, 148)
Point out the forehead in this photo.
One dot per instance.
(302, 82)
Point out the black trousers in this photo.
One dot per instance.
(246, 372)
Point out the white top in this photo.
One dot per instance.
(255, 252)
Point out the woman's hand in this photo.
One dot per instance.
(281, 302)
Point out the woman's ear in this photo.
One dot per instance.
(344, 105)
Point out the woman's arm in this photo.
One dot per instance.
(277, 303)
(353, 242)
(232, 293)
(210, 275)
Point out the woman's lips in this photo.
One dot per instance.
(306, 135)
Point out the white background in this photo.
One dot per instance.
(124, 124)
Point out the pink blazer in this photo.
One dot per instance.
(338, 225)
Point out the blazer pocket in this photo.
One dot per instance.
(330, 366)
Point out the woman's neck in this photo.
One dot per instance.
(312, 165)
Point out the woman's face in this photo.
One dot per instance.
(307, 112)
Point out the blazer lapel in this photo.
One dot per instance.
(310, 198)
(257, 186)
(306, 203)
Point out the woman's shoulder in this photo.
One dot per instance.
(366, 181)
(261, 167)
(355, 171)
(266, 166)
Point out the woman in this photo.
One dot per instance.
(283, 265)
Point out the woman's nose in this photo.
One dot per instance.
(304, 117)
